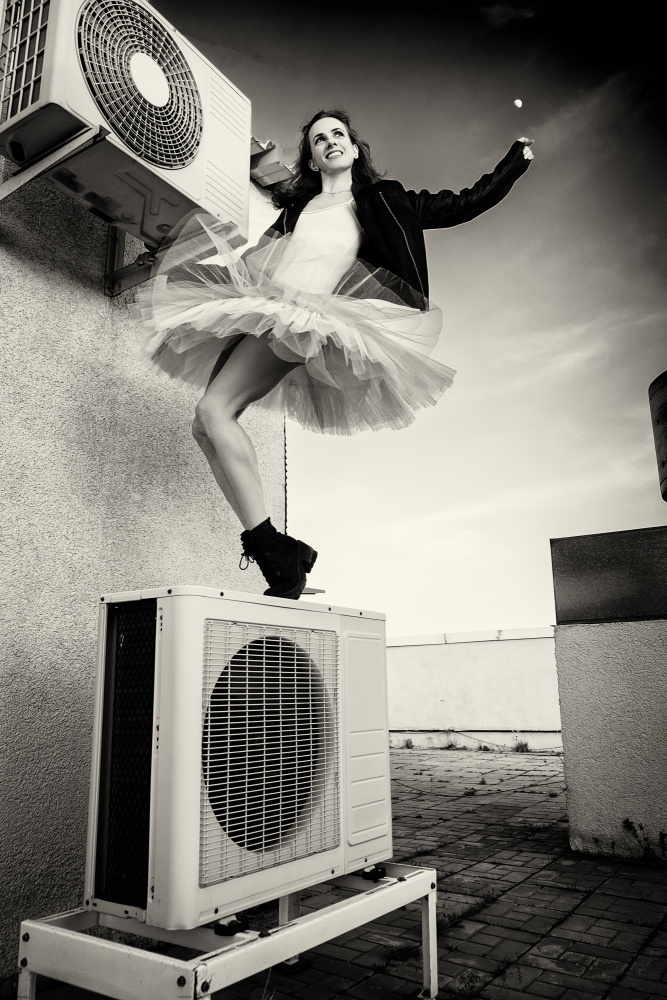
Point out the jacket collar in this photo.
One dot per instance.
(364, 190)
(361, 193)
(357, 189)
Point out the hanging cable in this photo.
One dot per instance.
(285, 464)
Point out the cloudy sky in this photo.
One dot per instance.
(554, 302)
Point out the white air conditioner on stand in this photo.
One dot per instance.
(240, 752)
(178, 130)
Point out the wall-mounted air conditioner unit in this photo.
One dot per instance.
(240, 752)
(179, 131)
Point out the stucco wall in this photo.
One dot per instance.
(103, 490)
(474, 681)
(611, 679)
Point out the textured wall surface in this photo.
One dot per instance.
(611, 680)
(103, 490)
(476, 683)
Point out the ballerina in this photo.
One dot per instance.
(327, 319)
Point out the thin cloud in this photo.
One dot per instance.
(587, 122)
(501, 14)
(578, 346)
(620, 473)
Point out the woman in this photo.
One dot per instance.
(327, 319)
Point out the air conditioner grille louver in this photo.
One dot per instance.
(127, 745)
(269, 747)
(110, 34)
(22, 55)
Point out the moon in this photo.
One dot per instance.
(518, 103)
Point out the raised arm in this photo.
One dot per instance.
(445, 208)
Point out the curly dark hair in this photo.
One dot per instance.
(305, 181)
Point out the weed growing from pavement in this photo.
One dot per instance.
(395, 954)
(469, 986)
(266, 986)
(445, 921)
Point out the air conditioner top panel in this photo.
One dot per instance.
(180, 590)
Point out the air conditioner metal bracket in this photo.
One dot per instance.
(59, 947)
(119, 278)
(25, 174)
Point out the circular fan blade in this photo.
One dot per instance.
(140, 81)
(265, 726)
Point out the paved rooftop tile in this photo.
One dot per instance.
(520, 916)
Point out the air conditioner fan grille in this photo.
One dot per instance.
(269, 747)
(110, 33)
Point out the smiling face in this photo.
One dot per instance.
(331, 149)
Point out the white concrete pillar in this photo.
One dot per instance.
(611, 656)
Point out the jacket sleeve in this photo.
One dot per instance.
(278, 225)
(438, 211)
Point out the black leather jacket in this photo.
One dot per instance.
(394, 220)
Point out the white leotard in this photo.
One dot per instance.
(324, 245)
(334, 224)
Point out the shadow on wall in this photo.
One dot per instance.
(49, 235)
(105, 491)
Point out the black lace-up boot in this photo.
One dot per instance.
(283, 560)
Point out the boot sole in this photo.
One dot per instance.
(307, 557)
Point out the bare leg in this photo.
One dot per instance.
(216, 468)
(207, 446)
(251, 371)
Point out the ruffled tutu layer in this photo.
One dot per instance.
(362, 335)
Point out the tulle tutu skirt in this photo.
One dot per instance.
(361, 335)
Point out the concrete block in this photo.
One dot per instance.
(611, 644)
(611, 679)
(614, 576)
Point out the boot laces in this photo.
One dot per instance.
(247, 556)
(265, 559)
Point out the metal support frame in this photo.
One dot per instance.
(289, 909)
(119, 278)
(58, 947)
(25, 174)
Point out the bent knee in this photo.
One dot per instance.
(198, 430)
(210, 417)
(204, 418)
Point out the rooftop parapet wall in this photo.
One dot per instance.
(504, 680)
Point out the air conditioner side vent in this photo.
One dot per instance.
(223, 192)
(22, 55)
(227, 107)
(123, 822)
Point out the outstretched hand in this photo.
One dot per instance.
(526, 149)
